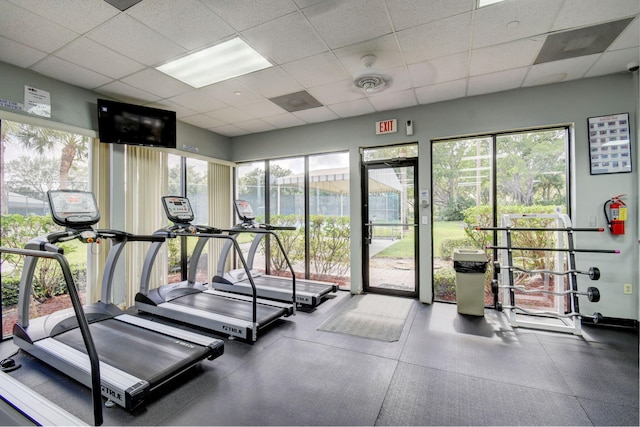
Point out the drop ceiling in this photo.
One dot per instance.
(433, 50)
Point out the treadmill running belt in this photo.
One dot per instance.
(145, 354)
(230, 307)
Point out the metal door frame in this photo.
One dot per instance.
(366, 226)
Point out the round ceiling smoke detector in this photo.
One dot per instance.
(370, 79)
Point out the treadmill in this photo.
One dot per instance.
(307, 292)
(136, 355)
(21, 406)
(237, 316)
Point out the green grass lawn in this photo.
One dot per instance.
(441, 230)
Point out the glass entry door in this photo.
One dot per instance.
(390, 228)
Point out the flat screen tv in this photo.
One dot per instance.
(120, 123)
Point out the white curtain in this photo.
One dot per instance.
(146, 183)
(220, 208)
(100, 179)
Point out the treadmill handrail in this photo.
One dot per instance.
(224, 253)
(195, 256)
(80, 317)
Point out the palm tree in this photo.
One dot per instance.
(41, 140)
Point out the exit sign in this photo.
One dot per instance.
(386, 126)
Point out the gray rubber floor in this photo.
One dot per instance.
(446, 369)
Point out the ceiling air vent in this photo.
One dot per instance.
(296, 101)
(580, 42)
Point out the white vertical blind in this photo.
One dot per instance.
(100, 182)
(146, 183)
(219, 182)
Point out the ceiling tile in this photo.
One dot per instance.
(32, 30)
(337, 92)
(578, 13)
(203, 121)
(229, 130)
(263, 108)
(437, 39)
(357, 107)
(94, 56)
(630, 37)
(316, 70)
(270, 82)
(70, 73)
(400, 80)
(19, 54)
(496, 82)
(441, 92)
(126, 93)
(513, 20)
(284, 120)
(411, 13)
(614, 62)
(255, 125)
(230, 115)
(77, 15)
(315, 115)
(244, 14)
(385, 48)
(439, 70)
(232, 92)
(165, 104)
(503, 57)
(341, 23)
(198, 100)
(286, 39)
(124, 34)
(557, 71)
(153, 81)
(393, 101)
(188, 22)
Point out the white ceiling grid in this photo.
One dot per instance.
(434, 50)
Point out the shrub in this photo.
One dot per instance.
(444, 282)
(10, 288)
(448, 245)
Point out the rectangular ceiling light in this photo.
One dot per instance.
(224, 61)
(483, 3)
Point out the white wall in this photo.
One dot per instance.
(565, 103)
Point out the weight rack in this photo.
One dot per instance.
(566, 317)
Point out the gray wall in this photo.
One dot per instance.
(564, 103)
(77, 107)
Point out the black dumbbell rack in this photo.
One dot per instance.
(566, 317)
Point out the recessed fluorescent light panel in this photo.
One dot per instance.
(483, 3)
(212, 65)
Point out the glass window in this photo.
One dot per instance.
(287, 208)
(329, 226)
(404, 151)
(530, 176)
(34, 160)
(197, 193)
(325, 232)
(174, 246)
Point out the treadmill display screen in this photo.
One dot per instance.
(73, 208)
(245, 211)
(178, 209)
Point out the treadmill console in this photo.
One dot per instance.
(73, 209)
(178, 209)
(244, 210)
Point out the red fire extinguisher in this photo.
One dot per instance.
(616, 214)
